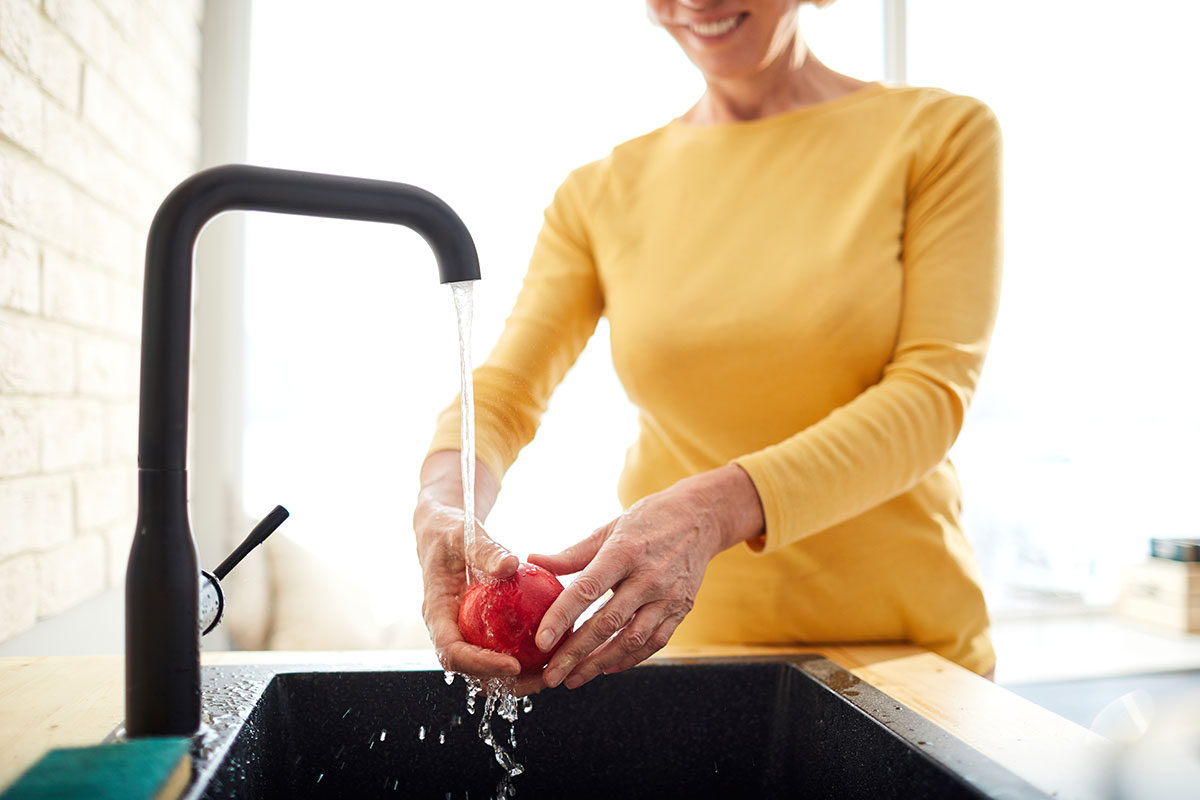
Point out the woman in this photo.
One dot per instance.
(800, 276)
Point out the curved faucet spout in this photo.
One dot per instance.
(162, 662)
(166, 309)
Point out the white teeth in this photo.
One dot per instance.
(716, 28)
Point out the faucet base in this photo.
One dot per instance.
(162, 662)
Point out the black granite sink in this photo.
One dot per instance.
(785, 727)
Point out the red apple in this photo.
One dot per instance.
(504, 615)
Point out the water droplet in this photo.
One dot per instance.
(527, 704)
(442, 737)
(348, 710)
(449, 677)
(383, 734)
(421, 733)
(322, 775)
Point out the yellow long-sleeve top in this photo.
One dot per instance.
(809, 295)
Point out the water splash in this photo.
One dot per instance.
(502, 703)
(464, 309)
(474, 687)
(499, 703)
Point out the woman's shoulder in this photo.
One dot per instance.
(932, 104)
(632, 157)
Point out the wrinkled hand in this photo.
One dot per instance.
(439, 529)
(653, 557)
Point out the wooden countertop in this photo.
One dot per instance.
(65, 702)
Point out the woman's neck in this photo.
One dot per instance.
(795, 79)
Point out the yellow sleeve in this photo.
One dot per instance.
(891, 436)
(555, 314)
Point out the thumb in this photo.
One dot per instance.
(490, 557)
(575, 557)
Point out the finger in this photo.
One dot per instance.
(643, 636)
(490, 557)
(477, 662)
(600, 576)
(458, 655)
(528, 684)
(575, 557)
(440, 609)
(601, 626)
(657, 641)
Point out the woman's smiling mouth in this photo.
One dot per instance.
(717, 28)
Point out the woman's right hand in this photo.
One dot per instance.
(438, 523)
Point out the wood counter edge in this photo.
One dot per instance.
(76, 701)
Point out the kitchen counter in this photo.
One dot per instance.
(65, 702)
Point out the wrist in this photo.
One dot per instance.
(733, 505)
(442, 488)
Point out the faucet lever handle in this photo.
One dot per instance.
(212, 597)
(257, 536)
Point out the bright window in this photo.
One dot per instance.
(1081, 443)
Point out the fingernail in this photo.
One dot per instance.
(545, 639)
(553, 677)
(574, 682)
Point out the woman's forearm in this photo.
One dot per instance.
(441, 483)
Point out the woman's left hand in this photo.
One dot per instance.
(653, 557)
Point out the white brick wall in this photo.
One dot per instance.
(99, 108)
(18, 595)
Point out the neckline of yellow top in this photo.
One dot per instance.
(869, 90)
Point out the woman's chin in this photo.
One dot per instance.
(726, 68)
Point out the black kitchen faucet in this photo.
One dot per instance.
(162, 637)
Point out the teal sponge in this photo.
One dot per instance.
(140, 769)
